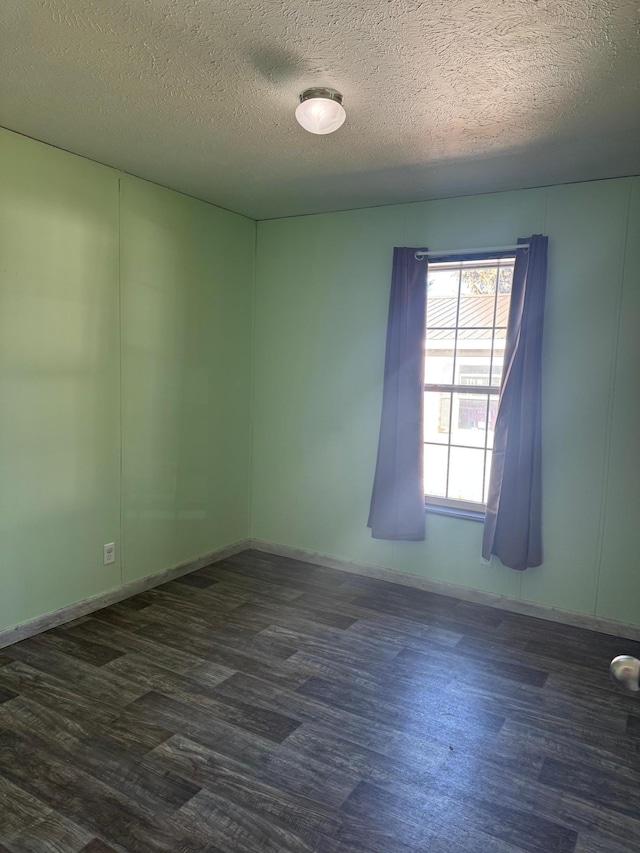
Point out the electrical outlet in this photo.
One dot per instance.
(109, 553)
(484, 562)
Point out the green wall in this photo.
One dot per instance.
(125, 337)
(126, 314)
(322, 288)
(187, 282)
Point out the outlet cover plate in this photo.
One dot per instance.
(109, 553)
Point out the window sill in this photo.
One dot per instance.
(454, 512)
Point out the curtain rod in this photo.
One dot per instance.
(471, 251)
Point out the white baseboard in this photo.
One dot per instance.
(526, 608)
(514, 605)
(104, 599)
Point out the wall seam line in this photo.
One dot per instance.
(611, 398)
(120, 389)
(252, 378)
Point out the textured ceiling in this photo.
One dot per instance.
(443, 97)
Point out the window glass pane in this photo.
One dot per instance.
(435, 470)
(478, 281)
(493, 412)
(442, 282)
(477, 312)
(442, 311)
(486, 476)
(472, 369)
(502, 310)
(505, 278)
(469, 420)
(437, 405)
(475, 342)
(466, 467)
(499, 342)
(439, 349)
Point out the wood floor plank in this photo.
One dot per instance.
(633, 727)
(357, 837)
(6, 695)
(252, 589)
(199, 581)
(337, 600)
(233, 827)
(242, 687)
(86, 651)
(245, 715)
(306, 818)
(415, 817)
(320, 743)
(287, 615)
(205, 647)
(19, 809)
(406, 717)
(172, 658)
(97, 846)
(615, 790)
(589, 842)
(99, 756)
(52, 834)
(146, 675)
(277, 764)
(96, 683)
(81, 797)
(24, 680)
(567, 809)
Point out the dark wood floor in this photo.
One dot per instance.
(262, 704)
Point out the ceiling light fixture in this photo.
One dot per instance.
(320, 110)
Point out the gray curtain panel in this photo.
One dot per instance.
(513, 524)
(397, 502)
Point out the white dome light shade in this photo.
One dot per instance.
(320, 110)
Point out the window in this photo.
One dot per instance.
(467, 312)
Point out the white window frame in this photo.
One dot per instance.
(488, 391)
